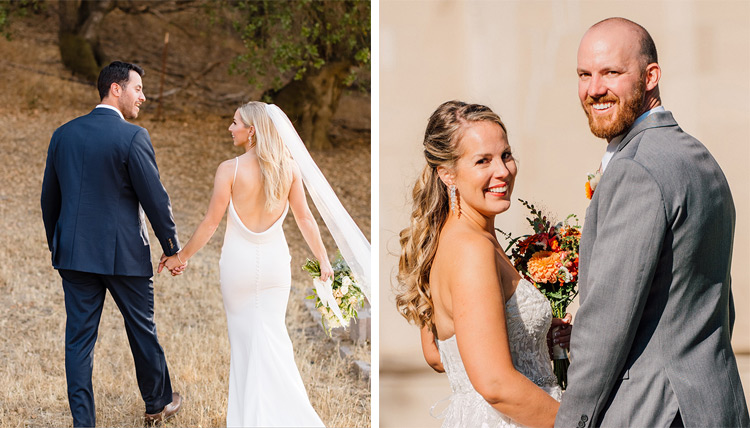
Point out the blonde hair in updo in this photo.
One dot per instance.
(419, 240)
(273, 156)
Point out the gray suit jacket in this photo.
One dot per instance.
(652, 335)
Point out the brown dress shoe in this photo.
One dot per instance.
(169, 410)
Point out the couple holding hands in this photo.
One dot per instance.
(101, 181)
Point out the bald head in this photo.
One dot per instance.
(618, 75)
(635, 33)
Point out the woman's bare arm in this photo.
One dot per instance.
(307, 224)
(430, 350)
(478, 307)
(216, 209)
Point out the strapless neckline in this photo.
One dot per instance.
(509, 302)
(527, 316)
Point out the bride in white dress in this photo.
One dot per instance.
(458, 285)
(258, 188)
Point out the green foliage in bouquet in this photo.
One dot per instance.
(548, 258)
(345, 289)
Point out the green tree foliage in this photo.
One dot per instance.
(8, 8)
(298, 37)
(311, 50)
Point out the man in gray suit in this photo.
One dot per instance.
(652, 341)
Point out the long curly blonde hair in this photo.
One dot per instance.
(273, 156)
(419, 241)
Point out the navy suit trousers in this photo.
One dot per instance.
(84, 300)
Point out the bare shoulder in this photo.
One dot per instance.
(226, 167)
(225, 171)
(468, 244)
(472, 257)
(296, 174)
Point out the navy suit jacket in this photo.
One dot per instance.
(100, 179)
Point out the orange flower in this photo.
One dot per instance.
(589, 191)
(544, 265)
(524, 245)
(553, 244)
(571, 231)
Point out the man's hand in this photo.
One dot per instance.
(162, 260)
(559, 332)
(173, 264)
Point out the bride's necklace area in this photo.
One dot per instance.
(475, 220)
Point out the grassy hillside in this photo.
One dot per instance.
(37, 96)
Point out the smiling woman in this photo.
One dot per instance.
(527, 76)
(456, 283)
(484, 174)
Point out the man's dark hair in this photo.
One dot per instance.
(116, 72)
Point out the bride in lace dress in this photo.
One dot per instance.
(481, 323)
(257, 189)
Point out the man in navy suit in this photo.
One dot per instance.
(100, 180)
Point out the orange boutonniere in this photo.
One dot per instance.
(591, 183)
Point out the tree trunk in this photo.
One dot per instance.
(311, 102)
(79, 35)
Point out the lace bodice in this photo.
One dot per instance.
(528, 317)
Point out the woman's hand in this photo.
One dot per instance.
(175, 266)
(326, 271)
(561, 336)
(430, 350)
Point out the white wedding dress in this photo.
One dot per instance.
(265, 387)
(528, 317)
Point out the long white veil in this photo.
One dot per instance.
(354, 247)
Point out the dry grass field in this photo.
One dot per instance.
(36, 97)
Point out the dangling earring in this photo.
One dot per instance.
(455, 207)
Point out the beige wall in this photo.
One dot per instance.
(519, 58)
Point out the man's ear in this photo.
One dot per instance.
(446, 175)
(115, 89)
(653, 74)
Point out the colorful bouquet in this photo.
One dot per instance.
(338, 298)
(549, 259)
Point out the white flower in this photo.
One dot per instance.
(595, 180)
(567, 276)
(338, 293)
(333, 322)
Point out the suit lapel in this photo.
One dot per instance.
(655, 120)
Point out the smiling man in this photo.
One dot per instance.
(651, 346)
(100, 180)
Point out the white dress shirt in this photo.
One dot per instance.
(111, 108)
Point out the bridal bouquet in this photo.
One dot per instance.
(338, 298)
(548, 258)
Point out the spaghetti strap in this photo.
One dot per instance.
(236, 164)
